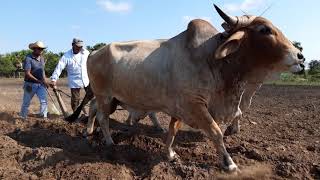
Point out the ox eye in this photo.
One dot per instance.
(265, 30)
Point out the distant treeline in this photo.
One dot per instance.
(310, 77)
(11, 63)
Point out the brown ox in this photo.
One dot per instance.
(201, 77)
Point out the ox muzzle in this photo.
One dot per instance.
(301, 66)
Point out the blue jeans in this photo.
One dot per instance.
(40, 91)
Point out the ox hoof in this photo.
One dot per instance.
(85, 133)
(229, 166)
(231, 130)
(129, 123)
(109, 142)
(172, 156)
(233, 168)
(94, 144)
(135, 123)
(161, 130)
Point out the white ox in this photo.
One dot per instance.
(200, 77)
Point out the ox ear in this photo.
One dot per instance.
(230, 46)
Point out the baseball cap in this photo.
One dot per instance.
(77, 42)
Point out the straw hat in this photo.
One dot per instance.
(37, 44)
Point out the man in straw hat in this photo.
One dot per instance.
(75, 61)
(34, 80)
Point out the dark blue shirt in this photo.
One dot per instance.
(35, 66)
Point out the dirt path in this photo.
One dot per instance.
(284, 143)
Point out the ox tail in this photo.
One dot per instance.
(74, 116)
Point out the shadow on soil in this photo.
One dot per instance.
(5, 116)
(139, 148)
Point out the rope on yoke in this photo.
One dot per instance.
(59, 90)
(66, 94)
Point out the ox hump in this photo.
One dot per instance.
(198, 32)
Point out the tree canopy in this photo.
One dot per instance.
(314, 67)
(10, 62)
(95, 47)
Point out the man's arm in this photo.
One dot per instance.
(57, 71)
(45, 82)
(30, 76)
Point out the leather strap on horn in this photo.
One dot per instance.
(242, 21)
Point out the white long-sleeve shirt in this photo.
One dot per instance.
(76, 65)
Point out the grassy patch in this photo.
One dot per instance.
(292, 79)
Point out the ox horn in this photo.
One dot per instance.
(231, 20)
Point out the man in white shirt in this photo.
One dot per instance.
(75, 61)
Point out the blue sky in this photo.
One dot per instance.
(57, 22)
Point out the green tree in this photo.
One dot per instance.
(6, 66)
(52, 60)
(10, 61)
(95, 47)
(314, 67)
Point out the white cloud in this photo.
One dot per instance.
(187, 19)
(110, 6)
(246, 5)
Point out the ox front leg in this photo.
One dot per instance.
(234, 128)
(91, 120)
(210, 127)
(134, 116)
(155, 121)
(104, 123)
(175, 125)
(129, 121)
(103, 113)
